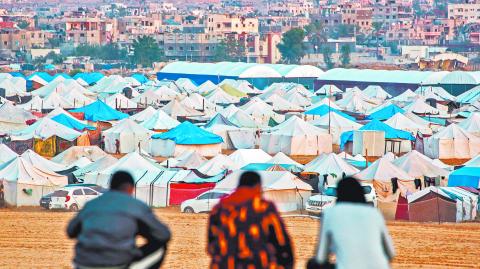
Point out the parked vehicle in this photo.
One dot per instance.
(202, 203)
(317, 203)
(45, 200)
(73, 197)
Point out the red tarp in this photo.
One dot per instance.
(180, 192)
(402, 209)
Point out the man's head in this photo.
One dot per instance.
(122, 181)
(250, 179)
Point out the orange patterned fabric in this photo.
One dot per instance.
(246, 232)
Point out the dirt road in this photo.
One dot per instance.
(34, 238)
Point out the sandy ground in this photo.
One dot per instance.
(35, 238)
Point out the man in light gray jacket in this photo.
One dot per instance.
(107, 226)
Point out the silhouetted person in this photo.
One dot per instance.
(354, 231)
(245, 231)
(117, 146)
(2, 195)
(107, 226)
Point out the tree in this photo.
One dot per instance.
(327, 57)
(229, 50)
(292, 47)
(54, 42)
(345, 55)
(316, 33)
(146, 51)
(23, 24)
(74, 72)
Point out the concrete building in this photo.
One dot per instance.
(93, 31)
(464, 13)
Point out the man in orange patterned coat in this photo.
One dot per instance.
(246, 232)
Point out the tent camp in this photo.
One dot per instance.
(217, 165)
(6, 154)
(242, 157)
(467, 176)
(281, 158)
(376, 92)
(13, 117)
(175, 109)
(382, 174)
(452, 142)
(284, 189)
(71, 155)
(431, 205)
(296, 137)
(401, 122)
(233, 136)
(472, 124)
(385, 112)
(131, 136)
(186, 136)
(144, 115)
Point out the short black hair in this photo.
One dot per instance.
(249, 179)
(120, 180)
(349, 190)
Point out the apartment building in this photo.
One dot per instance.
(93, 31)
(295, 8)
(464, 13)
(23, 39)
(225, 23)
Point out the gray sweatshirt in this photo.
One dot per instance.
(106, 229)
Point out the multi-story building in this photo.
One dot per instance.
(223, 23)
(23, 39)
(93, 31)
(464, 13)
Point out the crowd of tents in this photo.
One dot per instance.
(84, 128)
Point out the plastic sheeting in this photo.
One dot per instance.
(180, 192)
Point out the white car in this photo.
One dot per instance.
(202, 203)
(317, 203)
(74, 197)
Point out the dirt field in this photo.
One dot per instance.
(34, 238)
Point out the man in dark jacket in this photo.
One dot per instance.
(245, 231)
(107, 226)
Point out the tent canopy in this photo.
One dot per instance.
(99, 111)
(189, 134)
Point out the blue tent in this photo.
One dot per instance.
(385, 113)
(17, 74)
(43, 75)
(90, 78)
(219, 119)
(99, 111)
(324, 109)
(465, 177)
(189, 134)
(65, 76)
(140, 78)
(376, 125)
(72, 123)
(50, 67)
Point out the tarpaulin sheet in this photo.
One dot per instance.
(21, 146)
(45, 148)
(83, 140)
(62, 144)
(180, 192)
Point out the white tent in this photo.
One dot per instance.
(42, 163)
(472, 124)
(442, 165)
(418, 120)
(337, 125)
(71, 155)
(401, 122)
(261, 111)
(452, 142)
(133, 163)
(219, 96)
(281, 158)
(144, 115)
(405, 97)
(328, 89)
(207, 87)
(331, 165)
(284, 189)
(296, 137)
(418, 165)
(381, 173)
(324, 101)
(6, 154)
(152, 188)
(149, 97)
(95, 167)
(297, 98)
(280, 104)
(119, 101)
(239, 117)
(190, 159)
(197, 102)
(44, 129)
(175, 109)
(52, 101)
(437, 93)
(24, 183)
(160, 121)
(130, 134)
(13, 85)
(356, 101)
(420, 107)
(217, 165)
(186, 84)
(242, 157)
(166, 93)
(376, 92)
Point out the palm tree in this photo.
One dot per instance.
(377, 26)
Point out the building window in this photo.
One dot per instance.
(181, 48)
(170, 48)
(82, 35)
(207, 48)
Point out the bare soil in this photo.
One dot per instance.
(35, 238)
